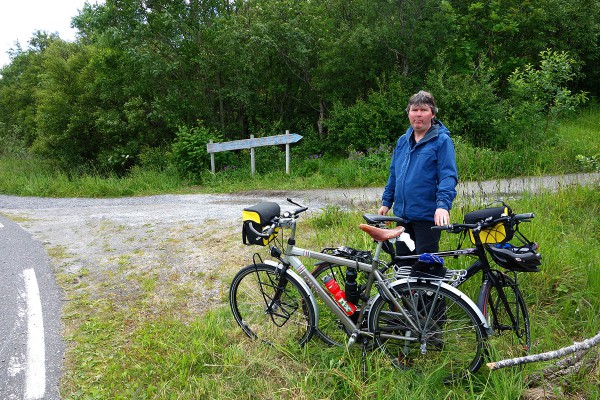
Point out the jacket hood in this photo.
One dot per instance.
(437, 128)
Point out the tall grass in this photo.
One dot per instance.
(37, 177)
(143, 345)
(576, 136)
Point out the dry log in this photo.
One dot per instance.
(550, 355)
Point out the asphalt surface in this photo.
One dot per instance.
(31, 344)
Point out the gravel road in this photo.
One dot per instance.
(91, 231)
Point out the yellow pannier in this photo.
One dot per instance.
(498, 233)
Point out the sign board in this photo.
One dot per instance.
(253, 142)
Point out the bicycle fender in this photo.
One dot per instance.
(457, 292)
(292, 275)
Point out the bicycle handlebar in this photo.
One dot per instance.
(268, 233)
(300, 208)
(524, 217)
(457, 228)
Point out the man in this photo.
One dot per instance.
(423, 176)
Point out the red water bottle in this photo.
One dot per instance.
(339, 295)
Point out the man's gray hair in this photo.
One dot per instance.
(422, 97)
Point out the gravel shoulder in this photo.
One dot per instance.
(180, 237)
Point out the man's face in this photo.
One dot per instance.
(420, 116)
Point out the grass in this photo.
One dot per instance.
(31, 176)
(135, 332)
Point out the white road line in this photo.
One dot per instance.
(35, 384)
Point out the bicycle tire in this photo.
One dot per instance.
(450, 336)
(291, 318)
(509, 340)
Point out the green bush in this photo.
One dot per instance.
(537, 97)
(380, 119)
(469, 105)
(189, 149)
(589, 163)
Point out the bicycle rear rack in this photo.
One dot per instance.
(453, 277)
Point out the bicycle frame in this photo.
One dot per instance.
(290, 257)
(481, 264)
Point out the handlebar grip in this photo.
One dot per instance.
(260, 234)
(526, 216)
(440, 228)
(300, 210)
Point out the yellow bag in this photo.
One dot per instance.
(497, 233)
(258, 217)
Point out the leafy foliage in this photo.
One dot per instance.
(338, 72)
(535, 93)
(189, 149)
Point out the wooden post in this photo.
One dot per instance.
(287, 155)
(212, 160)
(252, 157)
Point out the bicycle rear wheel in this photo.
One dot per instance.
(275, 316)
(433, 330)
(511, 336)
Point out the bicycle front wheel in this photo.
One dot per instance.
(511, 337)
(428, 328)
(274, 310)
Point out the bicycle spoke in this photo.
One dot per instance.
(434, 330)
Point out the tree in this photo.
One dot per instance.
(18, 88)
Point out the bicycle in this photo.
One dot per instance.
(499, 297)
(276, 304)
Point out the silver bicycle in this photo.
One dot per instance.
(419, 323)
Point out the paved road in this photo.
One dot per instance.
(31, 345)
(74, 224)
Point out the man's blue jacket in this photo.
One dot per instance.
(423, 176)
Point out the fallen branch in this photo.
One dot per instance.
(573, 364)
(550, 355)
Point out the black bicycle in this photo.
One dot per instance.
(491, 231)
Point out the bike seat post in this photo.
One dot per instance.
(377, 253)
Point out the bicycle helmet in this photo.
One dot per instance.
(526, 261)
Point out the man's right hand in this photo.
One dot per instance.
(383, 210)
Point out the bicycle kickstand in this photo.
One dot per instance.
(364, 357)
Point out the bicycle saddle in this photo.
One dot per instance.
(381, 235)
(376, 218)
